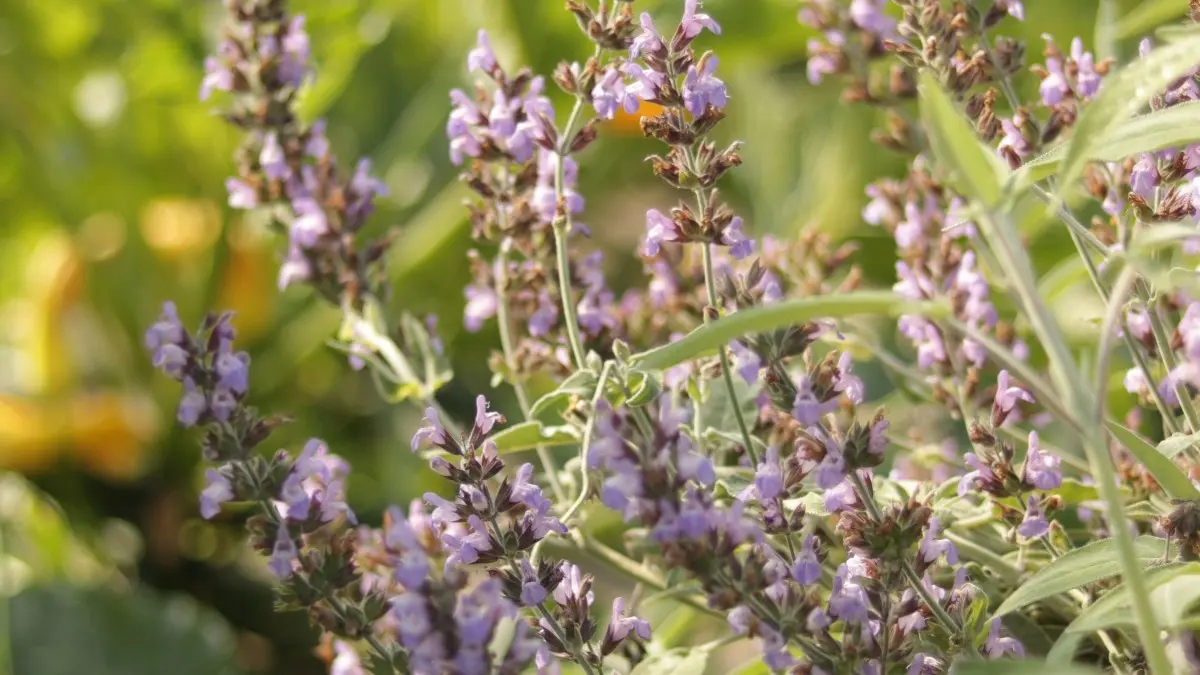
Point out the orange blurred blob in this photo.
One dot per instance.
(630, 124)
(248, 282)
(110, 433)
(29, 440)
(177, 227)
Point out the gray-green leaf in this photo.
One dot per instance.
(675, 662)
(529, 435)
(710, 337)
(1076, 568)
(978, 172)
(1172, 479)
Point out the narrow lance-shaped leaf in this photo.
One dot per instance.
(1148, 14)
(1172, 479)
(1167, 128)
(978, 172)
(1076, 568)
(779, 315)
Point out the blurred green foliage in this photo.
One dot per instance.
(112, 201)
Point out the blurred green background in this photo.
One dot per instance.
(112, 201)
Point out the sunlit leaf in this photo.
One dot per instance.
(708, 338)
(1078, 567)
(1172, 479)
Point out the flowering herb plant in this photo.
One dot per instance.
(718, 411)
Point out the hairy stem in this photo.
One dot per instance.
(726, 371)
(1102, 466)
(500, 272)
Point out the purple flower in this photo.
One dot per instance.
(775, 650)
(847, 382)
(609, 94)
(218, 491)
(1144, 178)
(912, 623)
(544, 317)
(932, 548)
(693, 24)
(841, 496)
(1013, 138)
(848, 601)
(484, 420)
(217, 77)
(533, 593)
(648, 41)
(981, 471)
(768, 478)
(481, 57)
(294, 64)
(1041, 469)
(646, 83)
(433, 431)
(482, 304)
(411, 567)
(283, 554)
(574, 586)
(273, 161)
(1007, 397)
(659, 229)
(807, 567)
(192, 405)
(870, 16)
(233, 370)
(997, 646)
(1087, 80)
(241, 195)
(1034, 524)
(924, 664)
(1054, 87)
(701, 89)
(295, 267)
(620, 626)
(735, 238)
(345, 661)
(222, 403)
(740, 619)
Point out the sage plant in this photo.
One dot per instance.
(718, 411)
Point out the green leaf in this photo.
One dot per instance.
(1026, 667)
(1172, 479)
(1122, 95)
(1169, 127)
(1114, 608)
(767, 318)
(1076, 568)
(1147, 15)
(580, 383)
(529, 435)
(676, 662)
(978, 172)
(1177, 443)
(717, 411)
(106, 633)
(1157, 236)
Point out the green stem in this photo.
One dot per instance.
(500, 272)
(398, 362)
(586, 444)
(1162, 340)
(726, 371)
(1102, 466)
(562, 229)
(6, 657)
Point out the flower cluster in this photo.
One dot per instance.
(500, 521)
(285, 166)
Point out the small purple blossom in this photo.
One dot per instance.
(620, 626)
(769, 478)
(997, 646)
(481, 57)
(702, 89)
(283, 554)
(217, 491)
(932, 548)
(659, 229)
(806, 569)
(1007, 397)
(1041, 469)
(1034, 524)
(692, 24)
